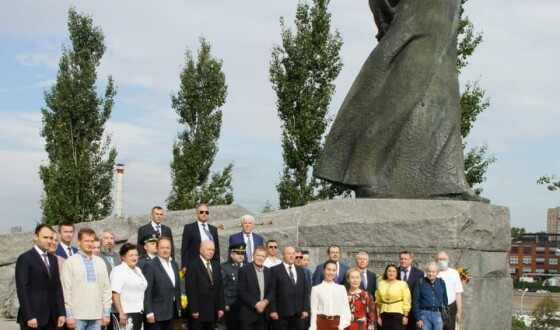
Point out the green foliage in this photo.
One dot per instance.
(302, 72)
(517, 323)
(552, 182)
(267, 207)
(78, 178)
(544, 314)
(473, 103)
(517, 233)
(198, 104)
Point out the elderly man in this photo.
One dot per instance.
(430, 298)
(66, 234)
(204, 289)
(196, 232)
(247, 236)
(230, 275)
(155, 227)
(369, 279)
(255, 292)
(38, 285)
(333, 253)
(454, 290)
(109, 256)
(290, 303)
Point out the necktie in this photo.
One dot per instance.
(69, 251)
(292, 275)
(209, 269)
(158, 230)
(46, 261)
(405, 277)
(249, 250)
(364, 280)
(207, 232)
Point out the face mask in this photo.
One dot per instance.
(442, 265)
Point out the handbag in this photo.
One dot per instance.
(444, 309)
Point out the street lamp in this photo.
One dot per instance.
(523, 294)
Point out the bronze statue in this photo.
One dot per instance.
(397, 133)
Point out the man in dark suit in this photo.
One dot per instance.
(162, 299)
(150, 246)
(289, 306)
(247, 236)
(204, 289)
(66, 233)
(410, 275)
(333, 253)
(38, 285)
(196, 232)
(369, 279)
(254, 289)
(155, 227)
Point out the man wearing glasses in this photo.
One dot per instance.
(196, 232)
(271, 250)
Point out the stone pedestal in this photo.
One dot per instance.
(475, 235)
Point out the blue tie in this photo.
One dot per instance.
(292, 276)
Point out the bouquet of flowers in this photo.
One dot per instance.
(464, 274)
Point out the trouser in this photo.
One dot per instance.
(450, 325)
(294, 322)
(199, 325)
(231, 317)
(259, 324)
(392, 321)
(50, 325)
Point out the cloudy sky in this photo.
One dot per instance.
(146, 41)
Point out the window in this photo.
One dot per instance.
(553, 261)
(540, 249)
(526, 270)
(540, 261)
(513, 270)
(527, 249)
(526, 260)
(513, 260)
(514, 249)
(540, 271)
(553, 271)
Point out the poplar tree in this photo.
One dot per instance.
(78, 177)
(198, 103)
(302, 72)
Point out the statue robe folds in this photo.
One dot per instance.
(398, 132)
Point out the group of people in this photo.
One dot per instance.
(139, 287)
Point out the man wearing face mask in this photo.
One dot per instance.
(454, 290)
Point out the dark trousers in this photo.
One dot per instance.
(50, 325)
(231, 317)
(199, 325)
(259, 324)
(452, 315)
(289, 323)
(161, 325)
(392, 321)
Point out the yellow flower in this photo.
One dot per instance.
(460, 270)
(181, 274)
(184, 301)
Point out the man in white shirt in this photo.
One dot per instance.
(196, 232)
(271, 251)
(454, 290)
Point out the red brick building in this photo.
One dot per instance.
(535, 254)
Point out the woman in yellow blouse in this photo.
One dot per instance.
(392, 298)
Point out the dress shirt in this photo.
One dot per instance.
(168, 269)
(41, 253)
(66, 249)
(155, 226)
(407, 273)
(260, 280)
(203, 235)
(329, 298)
(424, 297)
(287, 267)
(271, 263)
(452, 283)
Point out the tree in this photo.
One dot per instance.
(544, 314)
(552, 182)
(267, 208)
(517, 234)
(78, 178)
(302, 72)
(517, 323)
(198, 104)
(473, 103)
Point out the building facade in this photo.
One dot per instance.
(552, 220)
(536, 256)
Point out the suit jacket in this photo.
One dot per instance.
(288, 300)
(239, 238)
(190, 246)
(116, 260)
(413, 277)
(146, 230)
(371, 283)
(249, 293)
(63, 253)
(142, 261)
(205, 296)
(161, 297)
(39, 294)
(318, 275)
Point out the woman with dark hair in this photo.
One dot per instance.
(393, 300)
(128, 285)
(329, 302)
(360, 301)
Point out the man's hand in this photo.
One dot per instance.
(195, 315)
(458, 317)
(227, 308)
(304, 315)
(274, 316)
(105, 320)
(32, 323)
(71, 323)
(260, 306)
(220, 314)
(151, 319)
(419, 324)
(61, 320)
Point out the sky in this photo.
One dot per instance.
(517, 65)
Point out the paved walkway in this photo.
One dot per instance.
(8, 324)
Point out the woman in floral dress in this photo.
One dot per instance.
(361, 303)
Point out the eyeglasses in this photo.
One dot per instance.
(203, 212)
(272, 247)
(299, 257)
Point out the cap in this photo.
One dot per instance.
(239, 247)
(150, 238)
